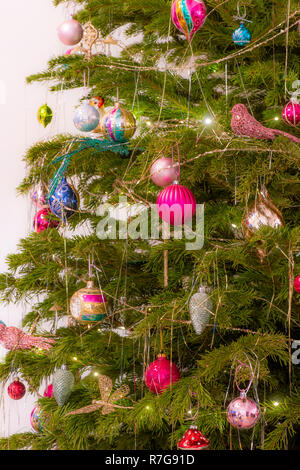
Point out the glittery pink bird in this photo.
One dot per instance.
(13, 338)
(244, 124)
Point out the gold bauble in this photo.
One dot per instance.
(88, 305)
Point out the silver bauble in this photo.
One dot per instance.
(63, 382)
(200, 309)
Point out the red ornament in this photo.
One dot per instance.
(297, 284)
(176, 204)
(160, 374)
(16, 390)
(291, 113)
(193, 439)
(43, 220)
(48, 392)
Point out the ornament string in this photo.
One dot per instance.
(287, 47)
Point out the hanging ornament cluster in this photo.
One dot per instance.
(118, 124)
(160, 374)
(70, 32)
(188, 16)
(163, 172)
(297, 284)
(16, 390)
(176, 204)
(291, 111)
(45, 115)
(63, 382)
(88, 305)
(43, 220)
(64, 201)
(86, 117)
(193, 439)
(200, 307)
(13, 338)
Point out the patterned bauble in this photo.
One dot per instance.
(43, 220)
(45, 115)
(241, 36)
(48, 392)
(297, 284)
(38, 197)
(70, 32)
(176, 204)
(193, 439)
(200, 307)
(34, 418)
(118, 124)
(160, 374)
(86, 117)
(188, 16)
(291, 113)
(88, 305)
(64, 201)
(262, 213)
(243, 412)
(16, 390)
(163, 172)
(63, 382)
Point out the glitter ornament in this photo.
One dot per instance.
(193, 439)
(160, 374)
(70, 32)
(45, 115)
(64, 201)
(241, 36)
(63, 382)
(243, 412)
(86, 117)
(43, 220)
(200, 307)
(188, 16)
(291, 113)
(88, 305)
(163, 172)
(262, 213)
(13, 338)
(297, 284)
(16, 390)
(176, 204)
(118, 124)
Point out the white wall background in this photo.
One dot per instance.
(28, 39)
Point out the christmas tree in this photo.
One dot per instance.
(218, 302)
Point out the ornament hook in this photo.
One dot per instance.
(239, 17)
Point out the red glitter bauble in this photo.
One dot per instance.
(160, 374)
(291, 113)
(297, 284)
(193, 439)
(16, 390)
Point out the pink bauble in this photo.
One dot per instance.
(160, 374)
(291, 113)
(188, 16)
(297, 284)
(176, 204)
(38, 197)
(163, 172)
(70, 32)
(43, 219)
(48, 392)
(243, 412)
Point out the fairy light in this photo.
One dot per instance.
(147, 407)
(276, 403)
(276, 118)
(96, 374)
(207, 121)
(75, 358)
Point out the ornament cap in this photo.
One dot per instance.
(175, 182)
(90, 284)
(204, 289)
(161, 355)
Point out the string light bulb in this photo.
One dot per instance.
(207, 121)
(276, 118)
(276, 403)
(74, 358)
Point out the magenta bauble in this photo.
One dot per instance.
(243, 412)
(16, 390)
(48, 392)
(163, 172)
(291, 113)
(188, 16)
(160, 374)
(43, 220)
(70, 32)
(297, 284)
(176, 204)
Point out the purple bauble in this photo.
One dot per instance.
(243, 412)
(160, 374)
(291, 113)
(163, 172)
(188, 16)
(297, 284)
(176, 204)
(70, 32)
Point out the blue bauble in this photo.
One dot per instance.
(241, 36)
(86, 117)
(64, 201)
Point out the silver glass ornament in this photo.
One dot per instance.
(200, 309)
(63, 382)
(86, 117)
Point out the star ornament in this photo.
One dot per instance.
(107, 398)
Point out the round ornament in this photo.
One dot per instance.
(176, 204)
(38, 197)
(64, 201)
(45, 115)
(163, 172)
(48, 392)
(88, 305)
(188, 16)
(118, 124)
(200, 307)
(193, 439)
(38, 420)
(297, 284)
(43, 220)
(243, 412)
(262, 213)
(70, 32)
(86, 117)
(16, 390)
(63, 382)
(291, 113)
(241, 36)
(160, 374)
